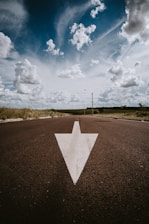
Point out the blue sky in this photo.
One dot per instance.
(55, 55)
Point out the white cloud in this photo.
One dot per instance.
(129, 82)
(95, 2)
(136, 56)
(70, 14)
(72, 73)
(125, 77)
(81, 35)
(100, 7)
(59, 97)
(63, 97)
(94, 62)
(130, 76)
(74, 98)
(136, 26)
(27, 80)
(52, 48)
(1, 88)
(5, 45)
(117, 70)
(123, 96)
(12, 15)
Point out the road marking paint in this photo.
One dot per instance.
(76, 148)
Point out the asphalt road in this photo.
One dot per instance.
(35, 186)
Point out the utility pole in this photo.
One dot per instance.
(92, 103)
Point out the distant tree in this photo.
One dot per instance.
(141, 105)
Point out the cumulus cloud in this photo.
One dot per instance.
(12, 15)
(52, 48)
(70, 14)
(95, 2)
(117, 71)
(100, 7)
(132, 81)
(27, 80)
(63, 97)
(124, 77)
(5, 45)
(123, 96)
(59, 97)
(72, 73)
(136, 26)
(81, 35)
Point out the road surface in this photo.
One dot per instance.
(35, 185)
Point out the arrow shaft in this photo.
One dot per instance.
(76, 128)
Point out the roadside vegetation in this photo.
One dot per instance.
(131, 115)
(26, 113)
(134, 113)
(123, 112)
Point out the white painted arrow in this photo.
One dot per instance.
(76, 148)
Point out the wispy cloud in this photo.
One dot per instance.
(109, 66)
(12, 15)
(112, 29)
(70, 14)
